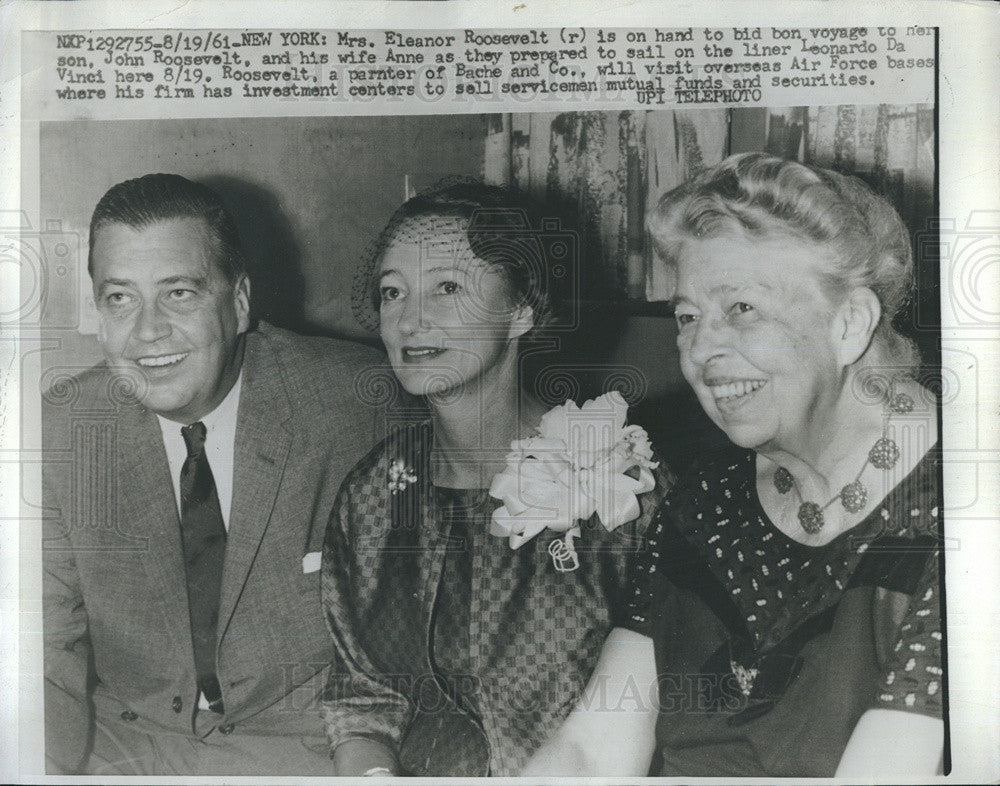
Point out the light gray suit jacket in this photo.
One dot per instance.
(117, 631)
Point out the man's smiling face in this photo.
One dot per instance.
(169, 317)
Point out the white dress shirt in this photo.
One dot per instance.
(220, 447)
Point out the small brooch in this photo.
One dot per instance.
(400, 476)
(744, 676)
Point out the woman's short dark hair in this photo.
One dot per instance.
(146, 200)
(756, 195)
(504, 227)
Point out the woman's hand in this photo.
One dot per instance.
(358, 756)
(891, 742)
(612, 729)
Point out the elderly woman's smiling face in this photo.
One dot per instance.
(756, 336)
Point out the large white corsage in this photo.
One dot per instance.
(582, 461)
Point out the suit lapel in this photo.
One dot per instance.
(149, 506)
(263, 440)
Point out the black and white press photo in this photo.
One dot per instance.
(596, 395)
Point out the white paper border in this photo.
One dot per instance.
(969, 171)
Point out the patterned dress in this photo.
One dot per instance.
(461, 654)
(769, 651)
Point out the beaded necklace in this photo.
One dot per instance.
(854, 496)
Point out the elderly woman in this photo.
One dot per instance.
(785, 616)
(461, 654)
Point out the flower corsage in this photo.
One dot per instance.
(581, 461)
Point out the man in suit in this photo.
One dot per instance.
(187, 487)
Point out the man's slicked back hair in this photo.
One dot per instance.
(147, 200)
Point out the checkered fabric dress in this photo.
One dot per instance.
(527, 636)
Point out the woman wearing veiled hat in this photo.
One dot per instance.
(466, 636)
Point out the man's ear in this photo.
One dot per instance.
(521, 321)
(241, 301)
(854, 324)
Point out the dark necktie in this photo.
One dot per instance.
(204, 539)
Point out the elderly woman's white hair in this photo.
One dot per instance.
(759, 195)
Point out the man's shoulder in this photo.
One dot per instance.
(90, 389)
(316, 352)
(95, 398)
(320, 373)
